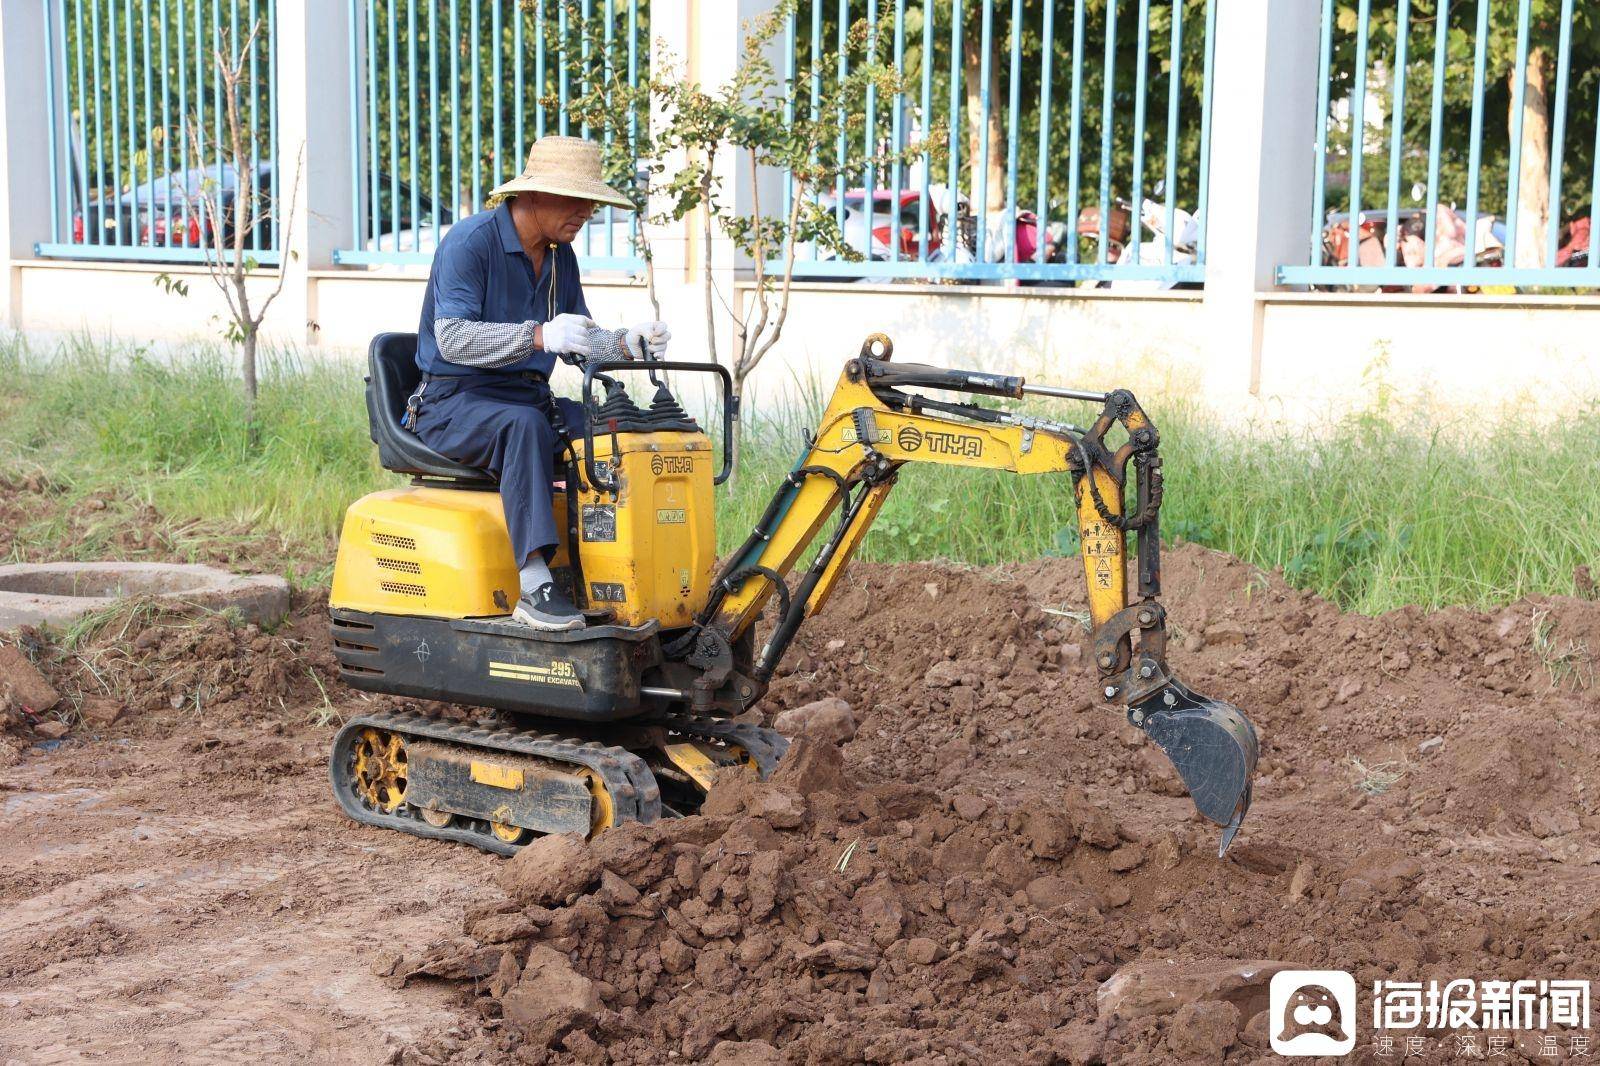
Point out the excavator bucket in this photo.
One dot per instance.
(1211, 744)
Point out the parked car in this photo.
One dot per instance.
(414, 233)
(167, 212)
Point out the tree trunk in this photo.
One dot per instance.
(734, 442)
(972, 77)
(247, 367)
(1533, 190)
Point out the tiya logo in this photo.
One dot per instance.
(910, 438)
(671, 464)
(1313, 1012)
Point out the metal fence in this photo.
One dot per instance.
(1508, 206)
(1458, 141)
(1109, 193)
(448, 95)
(135, 101)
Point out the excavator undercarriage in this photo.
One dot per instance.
(631, 718)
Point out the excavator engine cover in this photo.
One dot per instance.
(648, 548)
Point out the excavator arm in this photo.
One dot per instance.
(871, 428)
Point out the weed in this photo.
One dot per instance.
(1568, 664)
(135, 613)
(1081, 617)
(1377, 778)
(326, 714)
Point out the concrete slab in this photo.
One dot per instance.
(57, 593)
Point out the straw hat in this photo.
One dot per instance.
(565, 166)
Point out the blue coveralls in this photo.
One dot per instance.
(499, 419)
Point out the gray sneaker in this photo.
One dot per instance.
(545, 608)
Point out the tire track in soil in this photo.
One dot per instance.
(146, 920)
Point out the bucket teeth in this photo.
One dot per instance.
(1211, 744)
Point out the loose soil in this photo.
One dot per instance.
(958, 883)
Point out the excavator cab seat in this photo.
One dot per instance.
(392, 376)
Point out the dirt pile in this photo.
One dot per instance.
(150, 668)
(42, 520)
(796, 911)
(26, 698)
(962, 880)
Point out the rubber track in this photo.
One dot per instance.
(633, 788)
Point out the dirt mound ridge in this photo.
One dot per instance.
(152, 668)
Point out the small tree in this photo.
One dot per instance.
(620, 110)
(225, 226)
(746, 118)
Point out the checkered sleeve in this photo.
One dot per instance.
(486, 345)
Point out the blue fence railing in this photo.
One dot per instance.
(1455, 142)
(448, 95)
(1077, 150)
(138, 134)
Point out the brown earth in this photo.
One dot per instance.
(958, 883)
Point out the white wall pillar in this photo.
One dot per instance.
(703, 39)
(316, 133)
(672, 45)
(1263, 148)
(25, 174)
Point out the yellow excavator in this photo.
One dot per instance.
(631, 717)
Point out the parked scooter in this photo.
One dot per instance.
(1575, 247)
(1152, 249)
(1450, 244)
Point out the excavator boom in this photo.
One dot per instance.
(872, 427)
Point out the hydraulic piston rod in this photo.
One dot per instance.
(1065, 394)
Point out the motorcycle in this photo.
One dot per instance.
(1152, 249)
(1375, 243)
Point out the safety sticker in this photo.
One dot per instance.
(607, 592)
(599, 522)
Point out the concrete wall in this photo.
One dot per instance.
(1454, 357)
(1321, 355)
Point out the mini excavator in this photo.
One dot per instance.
(630, 718)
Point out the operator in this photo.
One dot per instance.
(503, 300)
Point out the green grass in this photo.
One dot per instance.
(1374, 512)
(119, 422)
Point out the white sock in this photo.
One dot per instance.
(534, 572)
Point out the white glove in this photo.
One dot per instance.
(635, 345)
(655, 336)
(568, 333)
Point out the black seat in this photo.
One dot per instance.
(392, 377)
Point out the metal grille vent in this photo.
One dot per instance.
(405, 566)
(390, 540)
(403, 588)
